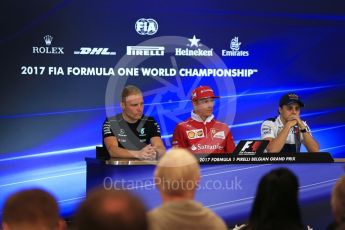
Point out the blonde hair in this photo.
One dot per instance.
(338, 200)
(129, 90)
(177, 172)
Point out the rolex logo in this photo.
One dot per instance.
(47, 49)
(48, 40)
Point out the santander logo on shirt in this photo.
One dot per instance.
(206, 147)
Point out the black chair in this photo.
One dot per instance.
(102, 153)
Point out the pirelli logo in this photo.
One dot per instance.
(195, 133)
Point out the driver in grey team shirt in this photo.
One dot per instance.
(131, 134)
(288, 132)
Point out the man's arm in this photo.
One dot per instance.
(310, 143)
(114, 150)
(178, 139)
(276, 144)
(155, 138)
(158, 145)
(111, 143)
(230, 144)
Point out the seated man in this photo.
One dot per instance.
(177, 176)
(32, 209)
(287, 132)
(130, 134)
(201, 133)
(111, 209)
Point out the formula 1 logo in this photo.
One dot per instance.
(147, 26)
(251, 147)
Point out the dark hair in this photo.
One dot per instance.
(31, 207)
(276, 202)
(111, 209)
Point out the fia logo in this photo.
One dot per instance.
(147, 26)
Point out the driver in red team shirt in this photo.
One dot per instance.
(201, 133)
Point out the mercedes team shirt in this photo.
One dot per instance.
(131, 136)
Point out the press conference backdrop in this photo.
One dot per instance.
(64, 63)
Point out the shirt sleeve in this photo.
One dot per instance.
(267, 130)
(230, 144)
(178, 139)
(107, 132)
(155, 129)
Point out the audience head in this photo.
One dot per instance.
(177, 173)
(338, 201)
(31, 209)
(276, 202)
(111, 209)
